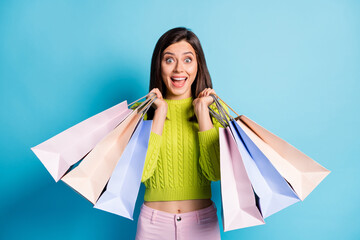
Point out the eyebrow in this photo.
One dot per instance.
(174, 54)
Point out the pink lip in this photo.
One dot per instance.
(177, 85)
(178, 76)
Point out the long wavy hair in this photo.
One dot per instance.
(202, 79)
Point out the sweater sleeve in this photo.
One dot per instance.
(210, 149)
(152, 156)
(152, 153)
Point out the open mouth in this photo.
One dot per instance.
(178, 81)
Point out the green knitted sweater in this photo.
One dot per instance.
(181, 163)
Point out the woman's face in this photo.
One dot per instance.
(178, 70)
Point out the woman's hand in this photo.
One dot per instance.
(202, 102)
(159, 103)
(201, 110)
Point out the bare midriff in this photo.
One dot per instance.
(182, 206)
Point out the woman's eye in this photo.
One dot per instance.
(188, 60)
(169, 60)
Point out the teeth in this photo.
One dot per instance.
(178, 79)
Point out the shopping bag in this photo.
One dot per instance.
(239, 208)
(123, 187)
(91, 175)
(65, 149)
(302, 172)
(273, 191)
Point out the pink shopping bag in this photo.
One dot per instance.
(65, 149)
(91, 175)
(239, 208)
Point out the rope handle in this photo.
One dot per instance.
(221, 117)
(149, 94)
(227, 105)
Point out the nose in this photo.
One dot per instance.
(178, 67)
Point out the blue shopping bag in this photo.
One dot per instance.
(272, 189)
(123, 187)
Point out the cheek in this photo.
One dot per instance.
(164, 70)
(192, 69)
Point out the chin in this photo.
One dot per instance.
(177, 93)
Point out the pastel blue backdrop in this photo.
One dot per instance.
(292, 66)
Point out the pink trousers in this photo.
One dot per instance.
(198, 224)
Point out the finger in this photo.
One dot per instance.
(160, 94)
(150, 93)
(157, 93)
(207, 91)
(153, 90)
(211, 91)
(203, 92)
(200, 94)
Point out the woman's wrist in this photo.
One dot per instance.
(161, 111)
(201, 109)
(159, 119)
(203, 117)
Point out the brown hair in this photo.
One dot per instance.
(202, 79)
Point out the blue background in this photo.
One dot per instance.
(292, 66)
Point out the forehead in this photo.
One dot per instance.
(180, 48)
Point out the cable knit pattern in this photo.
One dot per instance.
(177, 168)
(190, 154)
(180, 147)
(151, 156)
(209, 142)
(161, 175)
(169, 157)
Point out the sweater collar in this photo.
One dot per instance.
(182, 103)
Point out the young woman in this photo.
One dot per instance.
(183, 153)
